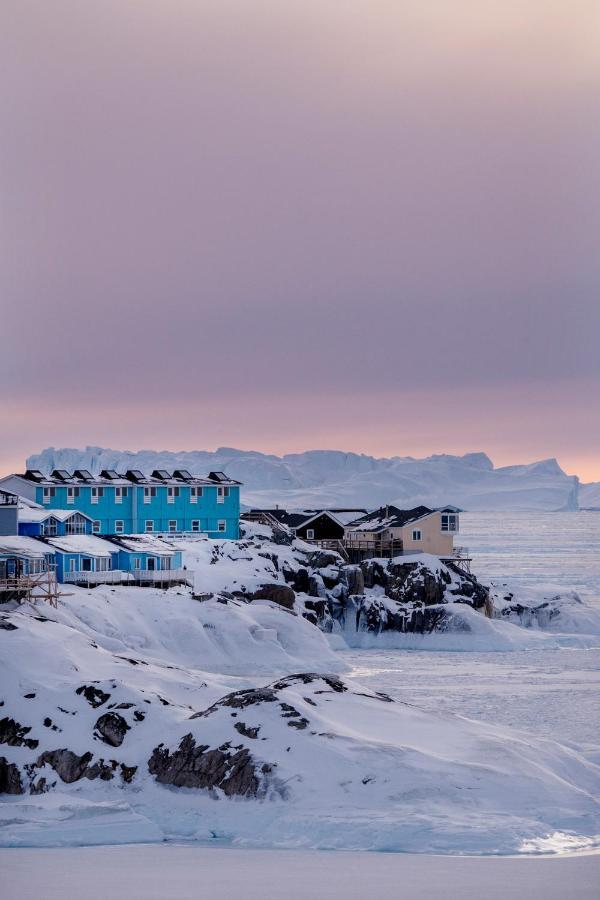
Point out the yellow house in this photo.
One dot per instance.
(389, 531)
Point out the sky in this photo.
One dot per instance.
(368, 226)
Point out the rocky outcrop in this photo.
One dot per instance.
(94, 696)
(198, 766)
(10, 778)
(281, 594)
(13, 734)
(112, 728)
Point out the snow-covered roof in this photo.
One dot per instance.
(39, 514)
(389, 517)
(20, 545)
(144, 543)
(88, 544)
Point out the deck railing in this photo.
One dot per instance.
(161, 576)
(110, 576)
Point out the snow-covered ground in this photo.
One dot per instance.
(482, 753)
(188, 873)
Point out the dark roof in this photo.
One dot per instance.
(389, 517)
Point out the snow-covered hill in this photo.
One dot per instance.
(332, 478)
(120, 724)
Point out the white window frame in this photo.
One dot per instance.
(149, 522)
(222, 526)
(222, 492)
(445, 525)
(172, 494)
(195, 525)
(195, 492)
(50, 528)
(120, 492)
(72, 564)
(48, 494)
(310, 534)
(72, 494)
(96, 493)
(172, 529)
(119, 526)
(137, 563)
(417, 534)
(149, 494)
(96, 526)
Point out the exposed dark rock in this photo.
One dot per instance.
(67, 765)
(13, 734)
(29, 696)
(373, 573)
(282, 538)
(281, 594)
(10, 778)
(197, 766)
(127, 773)
(94, 696)
(316, 586)
(244, 730)
(139, 715)
(414, 583)
(5, 625)
(240, 700)
(320, 559)
(112, 728)
(354, 579)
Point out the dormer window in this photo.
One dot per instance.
(449, 522)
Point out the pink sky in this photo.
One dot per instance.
(369, 226)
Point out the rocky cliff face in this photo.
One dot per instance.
(405, 594)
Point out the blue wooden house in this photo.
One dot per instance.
(134, 559)
(39, 522)
(133, 503)
(21, 556)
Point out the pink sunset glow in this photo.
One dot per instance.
(280, 226)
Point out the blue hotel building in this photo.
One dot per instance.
(133, 503)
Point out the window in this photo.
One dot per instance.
(72, 493)
(195, 492)
(221, 525)
(310, 534)
(416, 535)
(449, 522)
(195, 524)
(222, 492)
(86, 564)
(137, 563)
(103, 564)
(119, 526)
(49, 493)
(71, 565)
(36, 566)
(49, 528)
(149, 493)
(149, 526)
(97, 492)
(120, 492)
(172, 525)
(151, 563)
(96, 526)
(75, 525)
(165, 563)
(172, 492)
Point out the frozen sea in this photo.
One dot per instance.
(554, 692)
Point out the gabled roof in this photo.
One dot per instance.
(40, 514)
(389, 517)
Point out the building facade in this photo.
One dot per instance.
(133, 503)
